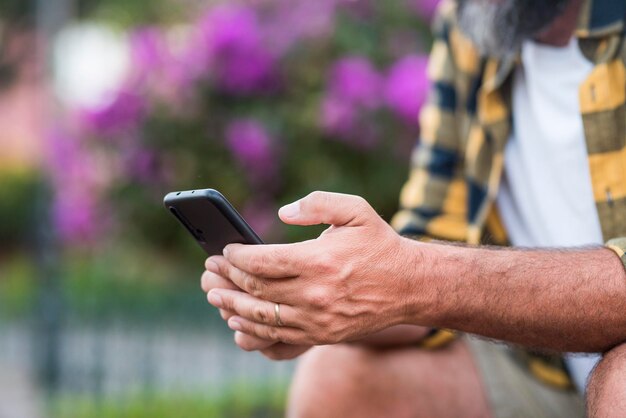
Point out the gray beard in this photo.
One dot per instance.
(498, 27)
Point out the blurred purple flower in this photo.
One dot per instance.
(292, 21)
(426, 9)
(122, 114)
(149, 51)
(339, 117)
(356, 81)
(406, 87)
(354, 92)
(74, 216)
(251, 145)
(236, 55)
(72, 173)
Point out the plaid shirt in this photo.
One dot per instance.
(458, 164)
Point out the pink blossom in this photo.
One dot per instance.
(122, 114)
(251, 145)
(75, 217)
(292, 21)
(355, 80)
(236, 55)
(339, 117)
(353, 94)
(425, 8)
(406, 87)
(149, 51)
(75, 206)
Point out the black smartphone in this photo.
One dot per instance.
(210, 219)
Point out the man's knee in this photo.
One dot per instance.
(344, 380)
(332, 376)
(606, 392)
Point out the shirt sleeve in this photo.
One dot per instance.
(433, 201)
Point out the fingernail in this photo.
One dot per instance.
(215, 299)
(212, 267)
(234, 325)
(290, 211)
(225, 252)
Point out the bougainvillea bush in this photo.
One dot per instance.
(265, 101)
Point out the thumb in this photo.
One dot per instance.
(327, 208)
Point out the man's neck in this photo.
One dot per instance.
(561, 30)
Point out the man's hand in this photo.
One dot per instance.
(270, 349)
(348, 283)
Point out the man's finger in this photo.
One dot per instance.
(275, 290)
(286, 335)
(226, 315)
(211, 280)
(251, 343)
(327, 208)
(253, 309)
(281, 351)
(268, 261)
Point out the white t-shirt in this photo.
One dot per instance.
(546, 199)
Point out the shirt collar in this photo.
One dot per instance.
(599, 18)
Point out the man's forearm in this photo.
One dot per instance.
(562, 300)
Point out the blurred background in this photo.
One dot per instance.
(107, 105)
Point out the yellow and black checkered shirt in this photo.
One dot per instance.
(457, 165)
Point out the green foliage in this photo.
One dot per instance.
(126, 13)
(239, 401)
(135, 286)
(121, 12)
(20, 194)
(17, 287)
(122, 284)
(17, 10)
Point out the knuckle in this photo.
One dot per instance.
(333, 336)
(326, 263)
(318, 297)
(252, 284)
(257, 264)
(229, 304)
(314, 201)
(362, 207)
(361, 203)
(316, 195)
(282, 256)
(260, 314)
(272, 334)
(324, 320)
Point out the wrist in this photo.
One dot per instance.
(418, 293)
(432, 294)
